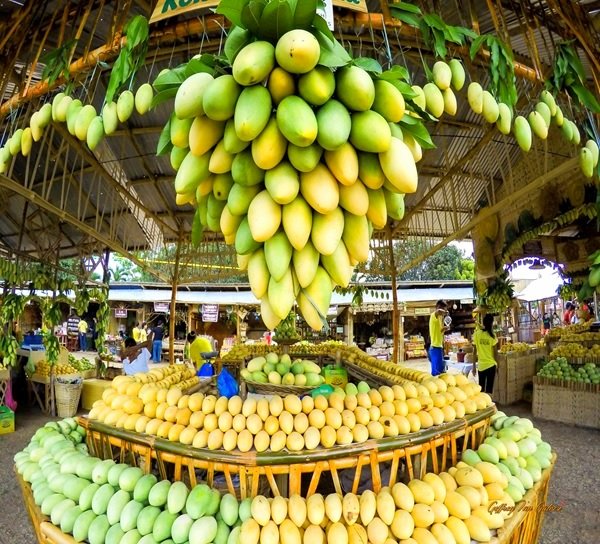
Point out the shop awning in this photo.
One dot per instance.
(246, 298)
(542, 288)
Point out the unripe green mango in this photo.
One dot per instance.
(85, 116)
(143, 98)
(549, 100)
(317, 86)
(75, 106)
(458, 74)
(389, 101)
(95, 132)
(304, 159)
(334, 124)
(538, 125)
(475, 97)
(45, 115)
(55, 102)
(177, 155)
(442, 75)
(254, 63)
(504, 121)
(252, 112)
(593, 147)
(297, 121)
(543, 109)
(189, 98)
(490, 108)
(125, 105)
(220, 98)
(370, 132)
(522, 131)
(355, 88)
(586, 162)
(434, 99)
(244, 243)
(109, 118)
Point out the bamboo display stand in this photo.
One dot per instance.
(523, 527)
(285, 473)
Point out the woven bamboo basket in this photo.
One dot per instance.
(525, 525)
(374, 463)
(274, 389)
(566, 402)
(4, 378)
(67, 397)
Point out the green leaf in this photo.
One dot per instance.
(206, 63)
(163, 96)
(586, 97)
(304, 13)
(164, 141)
(333, 55)
(368, 64)
(277, 19)
(251, 14)
(407, 13)
(320, 25)
(168, 79)
(237, 39)
(476, 45)
(395, 73)
(418, 131)
(232, 10)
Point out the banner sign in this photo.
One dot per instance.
(170, 8)
(422, 311)
(121, 313)
(161, 307)
(210, 313)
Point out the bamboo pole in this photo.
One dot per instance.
(396, 340)
(172, 308)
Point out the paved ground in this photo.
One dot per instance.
(574, 484)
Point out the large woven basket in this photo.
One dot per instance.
(273, 389)
(67, 398)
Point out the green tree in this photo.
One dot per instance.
(449, 263)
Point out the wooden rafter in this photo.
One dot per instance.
(68, 218)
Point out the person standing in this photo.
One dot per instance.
(568, 313)
(82, 327)
(436, 335)
(143, 333)
(485, 346)
(197, 346)
(158, 333)
(135, 332)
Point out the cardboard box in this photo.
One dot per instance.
(92, 391)
(335, 376)
(7, 420)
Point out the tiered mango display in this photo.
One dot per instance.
(102, 502)
(290, 422)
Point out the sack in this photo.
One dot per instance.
(226, 384)
(206, 370)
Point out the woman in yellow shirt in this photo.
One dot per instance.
(485, 345)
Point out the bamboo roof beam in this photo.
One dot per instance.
(538, 183)
(66, 217)
(215, 24)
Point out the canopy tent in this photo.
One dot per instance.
(542, 288)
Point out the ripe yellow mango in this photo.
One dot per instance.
(297, 222)
(356, 236)
(281, 84)
(297, 51)
(343, 163)
(269, 148)
(389, 101)
(317, 86)
(354, 198)
(355, 88)
(320, 189)
(188, 100)
(399, 166)
(258, 273)
(327, 231)
(306, 262)
(264, 217)
(204, 134)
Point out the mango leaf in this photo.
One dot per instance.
(304, 13)
(407, 13)
(197, 229)
(404, 88)
(586, 97)
(396, 72)
(277, 19)
(251, 14)
(237, 39)
(206, 63)
(164, 141)
(418, 132)
(333, 55)
(368, 64)
(476, 45)
(168, 79)
(320, 25)
(163, 96)
(232, 10)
